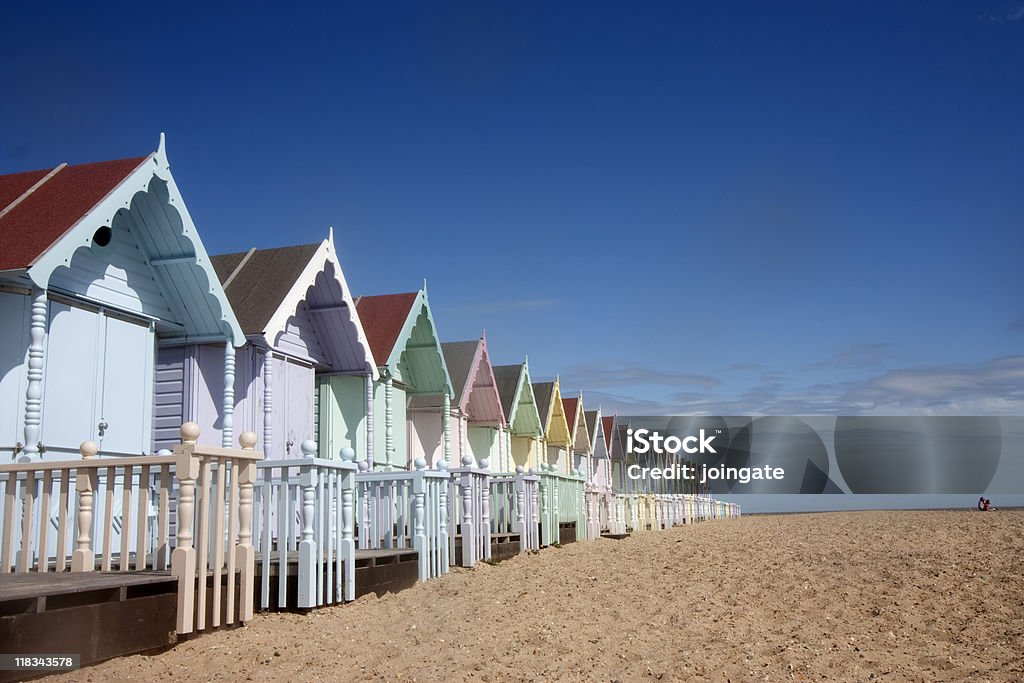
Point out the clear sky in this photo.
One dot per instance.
(699, 207)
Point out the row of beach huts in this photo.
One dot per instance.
(193, 438)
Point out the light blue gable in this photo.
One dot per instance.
(148, 206)
(118, 275)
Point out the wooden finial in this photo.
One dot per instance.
(189, 432)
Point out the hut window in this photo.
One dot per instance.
(101, 237)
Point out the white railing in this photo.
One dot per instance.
(593, 502)
(514, 501)
(305, 512)
(469, 512)
(405, 509)
(562, 500)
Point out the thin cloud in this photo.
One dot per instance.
(504, 306)
(992, 387)
(856, 356)
(619, 375)
(1016, 325)
(1008, 16)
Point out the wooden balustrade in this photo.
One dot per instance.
(85, 514)
(405, 509)
(305, 507)
(514, 507)
(469, 512)
(218, 483)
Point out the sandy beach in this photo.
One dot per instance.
(853, 596)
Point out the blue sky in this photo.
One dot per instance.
(773, 208)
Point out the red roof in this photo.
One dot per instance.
(569, 404)
(608, 423)
(46, 213)
(383, 318)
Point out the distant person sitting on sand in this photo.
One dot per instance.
(986, 505)
(981, 503)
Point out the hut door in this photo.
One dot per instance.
(293, 405)
(97, 380)
(127, 387)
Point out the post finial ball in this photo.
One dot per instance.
(420, 464)
(347, 454)
(248, 440)
(189, 432)
(88, 449)
(519, 469)
(441, 465)
(467, 460)
(308, 448)
(484, 464)
(363, 466)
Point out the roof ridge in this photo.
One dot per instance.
(39, 183)
(238, 268)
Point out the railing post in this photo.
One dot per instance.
(348, 545)
(183, 559)
(466, 491)
(485, 519)
(442, 516)
(522, 512)
(419, 538)
(308, 560)
(245, 554)
(545, 522)
(82, 559)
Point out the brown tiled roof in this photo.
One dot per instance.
(383, 317)
(569, 406)
(608, 422)
(43, 215)
(260, 280)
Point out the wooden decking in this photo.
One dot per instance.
(97, 615)
(386, 570)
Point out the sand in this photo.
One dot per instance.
(852, 596)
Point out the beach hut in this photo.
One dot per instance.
(610, 425)
(413, 394)
(477, 408)
(600, 472)
(581, 448)
(524, 435)
(558, 440)
(100, 265)
(299, 319)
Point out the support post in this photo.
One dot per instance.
(268, 403)
(369, 422)
(446, 418)
(34, 390)
(227, 434)
(389, 422)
